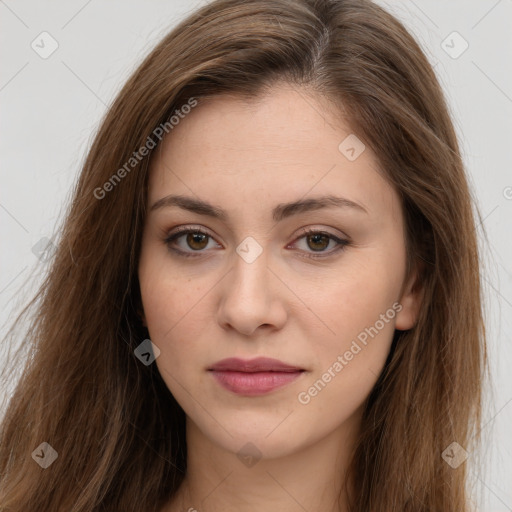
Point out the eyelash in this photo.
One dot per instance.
(306, 232)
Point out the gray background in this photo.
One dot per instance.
(51, 108)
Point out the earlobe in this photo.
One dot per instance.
(411, 300)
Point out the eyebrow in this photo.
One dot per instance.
(280, 212)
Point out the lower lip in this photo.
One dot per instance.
(253, 384)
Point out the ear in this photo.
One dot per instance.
(411, 300)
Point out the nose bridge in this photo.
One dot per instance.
(250, 274)
(249, 295)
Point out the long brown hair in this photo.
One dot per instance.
(117, 429)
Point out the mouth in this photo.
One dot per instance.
(254, 377)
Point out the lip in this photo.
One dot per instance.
(255, 376)
(259, 364)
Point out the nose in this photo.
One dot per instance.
(252, 297)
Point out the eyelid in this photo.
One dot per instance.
(341, 242)
(303, 231)
(316, 230)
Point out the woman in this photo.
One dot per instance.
(266, 293)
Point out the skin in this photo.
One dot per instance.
(246, 158)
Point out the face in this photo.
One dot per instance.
(319, 286)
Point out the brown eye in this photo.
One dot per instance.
(318, 241)
(197, 241)
(189, 242)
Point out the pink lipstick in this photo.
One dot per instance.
(255, 376)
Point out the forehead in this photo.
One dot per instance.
(285, 118)
(282, 145)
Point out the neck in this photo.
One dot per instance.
(310, 478)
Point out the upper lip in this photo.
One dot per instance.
(260, 364)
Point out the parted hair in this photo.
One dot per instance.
(118, 431)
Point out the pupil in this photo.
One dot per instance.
(192, 239)
(316, 237)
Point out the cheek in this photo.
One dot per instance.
(349, 360)
(359, 308)
(175, 316)
(173, 325)
(358, 297)
(167, 295)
